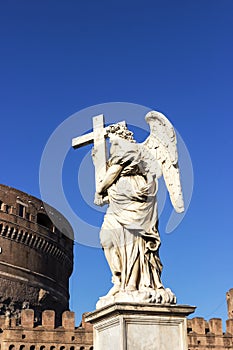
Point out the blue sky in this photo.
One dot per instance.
(59, 57)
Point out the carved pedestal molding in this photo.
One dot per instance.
(134, 326)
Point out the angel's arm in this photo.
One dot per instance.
(111, 175)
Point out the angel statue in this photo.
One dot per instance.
(129, 233)
(128, 182)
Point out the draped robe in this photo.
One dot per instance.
(129, 231)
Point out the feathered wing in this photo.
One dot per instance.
(163, 146)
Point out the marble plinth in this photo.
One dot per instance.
(134, 326)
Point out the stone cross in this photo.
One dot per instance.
(98, 138)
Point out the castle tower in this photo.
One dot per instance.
(229, 296)
(36, 255)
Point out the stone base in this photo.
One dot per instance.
(159, 296)
(134, 326)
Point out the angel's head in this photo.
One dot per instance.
(119, 131)
(120, 138)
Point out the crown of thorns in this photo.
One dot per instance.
(121, 131)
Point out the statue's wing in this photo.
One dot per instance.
(163, 145)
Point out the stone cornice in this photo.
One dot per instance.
(34, 240)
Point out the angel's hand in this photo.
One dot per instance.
(99, 200)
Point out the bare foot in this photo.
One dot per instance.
(130, 288)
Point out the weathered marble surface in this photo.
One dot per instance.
(128, 182)
(159, 296)
(134, 326)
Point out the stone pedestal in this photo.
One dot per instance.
(134, 326)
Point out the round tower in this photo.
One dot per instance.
(36, 257)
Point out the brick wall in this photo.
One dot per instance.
(26, 336)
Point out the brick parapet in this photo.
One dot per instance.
(201, 334)
(27, 335)
(206, 335)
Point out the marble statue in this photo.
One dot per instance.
(128, 182)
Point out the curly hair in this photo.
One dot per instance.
(120, 130)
